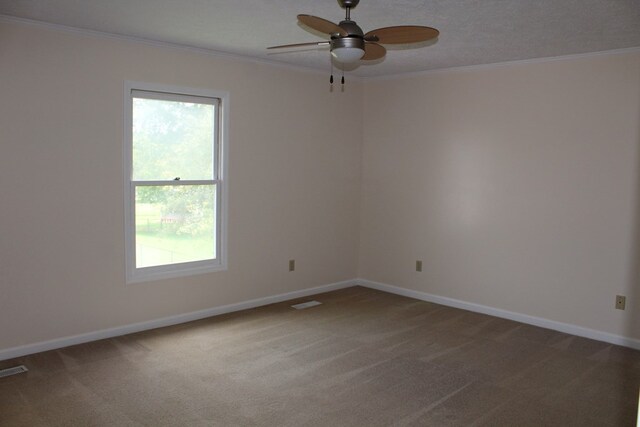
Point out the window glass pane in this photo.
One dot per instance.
(175, 224)
(172, 139)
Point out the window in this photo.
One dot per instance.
(175, 184)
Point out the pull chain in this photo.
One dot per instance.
(342, 80)
(331, 78)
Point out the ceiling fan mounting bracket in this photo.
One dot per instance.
(348, 3)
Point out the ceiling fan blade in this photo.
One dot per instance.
(300, 44)
(322, 25)
(402, 34)
(373, 51)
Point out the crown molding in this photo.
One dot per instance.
(476, 67)
(278, 64)
(156, 43)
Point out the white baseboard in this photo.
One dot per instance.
(10, 353)
(518, 317)
(568, 328)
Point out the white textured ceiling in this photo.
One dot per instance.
(471, 31)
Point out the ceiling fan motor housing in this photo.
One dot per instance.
(354, 37)
(355, 42)
(352, 29)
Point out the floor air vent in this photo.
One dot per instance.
(306, 305)
(13, 371)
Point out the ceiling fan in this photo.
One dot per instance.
(348, 43)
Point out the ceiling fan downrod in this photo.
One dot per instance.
(348, 5)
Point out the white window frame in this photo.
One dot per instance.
(133, 274)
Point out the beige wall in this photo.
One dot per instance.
(294, 182)
(517, 186)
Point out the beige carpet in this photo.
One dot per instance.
(362, 358)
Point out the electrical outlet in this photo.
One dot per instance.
(418, 265)
(292, 264)
(621, 301)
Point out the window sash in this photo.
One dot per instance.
(183, 265)
(179, 97)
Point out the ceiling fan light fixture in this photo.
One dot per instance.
(347, 50)
(347, 55)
